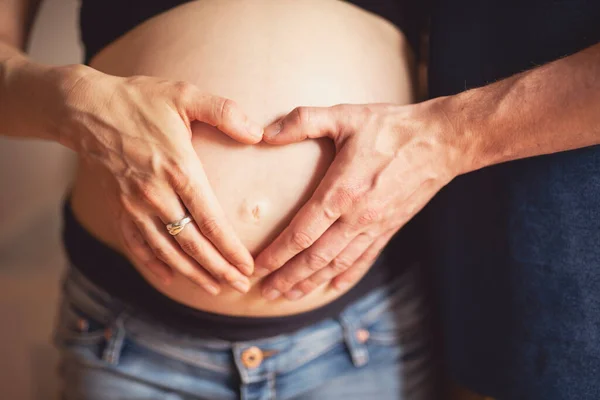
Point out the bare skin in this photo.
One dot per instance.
(261, 55)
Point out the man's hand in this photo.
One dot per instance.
(390, 162)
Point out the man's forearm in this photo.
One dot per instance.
(552, 108)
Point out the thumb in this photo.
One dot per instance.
(304, 123)
(225, 115)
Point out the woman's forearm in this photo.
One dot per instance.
(552, 108)
(30, 95)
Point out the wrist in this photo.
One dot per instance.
(70, 85)
(459, 131)
(36, 98)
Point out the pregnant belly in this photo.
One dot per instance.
(269, 57)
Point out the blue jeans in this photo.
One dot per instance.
(377, 348)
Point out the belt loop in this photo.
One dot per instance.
(357, 348)
(115, 337)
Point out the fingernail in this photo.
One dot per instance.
(241, 286)
(211, 289)
(341, 285)
(273, 130)
(260, 271)
(294, 294)
(272, 294)
(255, 130)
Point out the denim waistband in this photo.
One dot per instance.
(285, 352)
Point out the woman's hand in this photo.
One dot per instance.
(138, 130)
(390, 162)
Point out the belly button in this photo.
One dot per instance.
(253, 211)
(256, 213)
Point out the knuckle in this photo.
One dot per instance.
(316, 261)
(219, 275)
(178, 174)
(270, 263)
(388, 119)
(301, 240)
(300, 115)
(306, 286)
(368, 113)
(163, 253)
(345, 196)
(368, 116)
(190, 247)
(283, 282)
(191, 274)
(226, 109)
(340, 264)
(369, 216)
(185, 90)
(141, 225)
(209, 227)
(236, 257)
(371, 235)
(229, 275)
(146, 192)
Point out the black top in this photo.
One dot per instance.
(516, 247)
(113, 273)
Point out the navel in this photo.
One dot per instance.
(253, 211)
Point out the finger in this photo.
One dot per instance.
(191, 241)
(344, 261)
(141, 252)
(208, 258)
(310, 261)
(413, 204)
(131, 237)
(342, 187)
(169, 252)
(306, 123)
(194, 190)
(224, 114)
(362, 264)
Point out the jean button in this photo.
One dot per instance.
(362, 335)
(252, 357)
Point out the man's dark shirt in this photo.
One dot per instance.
(516, 247)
